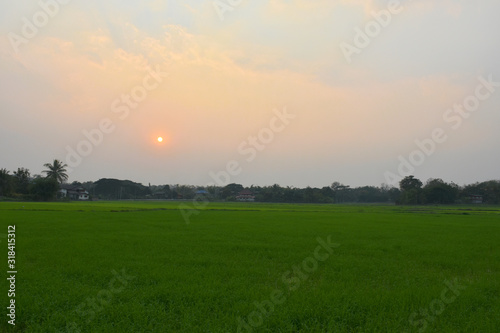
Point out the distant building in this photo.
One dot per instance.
(476, 199)
(158, 195)
(202, 195)
(245, 195)
(201, 192)
(73, 192)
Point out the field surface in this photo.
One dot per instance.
(144, 267)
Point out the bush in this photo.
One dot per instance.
(44, 189)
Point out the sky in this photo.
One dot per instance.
(294, 92)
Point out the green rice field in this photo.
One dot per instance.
(250, 267)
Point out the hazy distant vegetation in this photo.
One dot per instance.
(20, 185)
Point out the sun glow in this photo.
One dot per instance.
(160, 139)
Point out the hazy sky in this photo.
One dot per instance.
(354, 91)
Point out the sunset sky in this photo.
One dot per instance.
(207, 77)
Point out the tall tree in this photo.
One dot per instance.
(410, 183)
(340, 192)
(22, 178)
(57, 171)
(5, 182)
(411, 190)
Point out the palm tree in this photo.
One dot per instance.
(56, 171)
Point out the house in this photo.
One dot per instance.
(73, 192)
(476, 199)
(245, 195)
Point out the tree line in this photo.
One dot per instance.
(20, 185)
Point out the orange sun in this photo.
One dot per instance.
(160, 139)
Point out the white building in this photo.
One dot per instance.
(73, 192)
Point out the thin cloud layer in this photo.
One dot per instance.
(225, 78)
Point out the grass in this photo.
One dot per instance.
(204, 276)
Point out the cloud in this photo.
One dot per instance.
(226, 78)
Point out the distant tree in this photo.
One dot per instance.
(315, 195)
(186, 191)
(341, 192)
(394, 194)
(274, 193)
(214, 191)
(328, 194)
(167, 191)
(309, 195)
(277, 193)
(411, 191)
(391, 192)
(489, 190)
(109, 188)
(157, 191)
(436, 191)
(6, 183)
(56, 170)
(371, 194)
(44, 189)
(410, 183)
(337, 186)
(231, 190)
(292, 194)
(22, 180)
